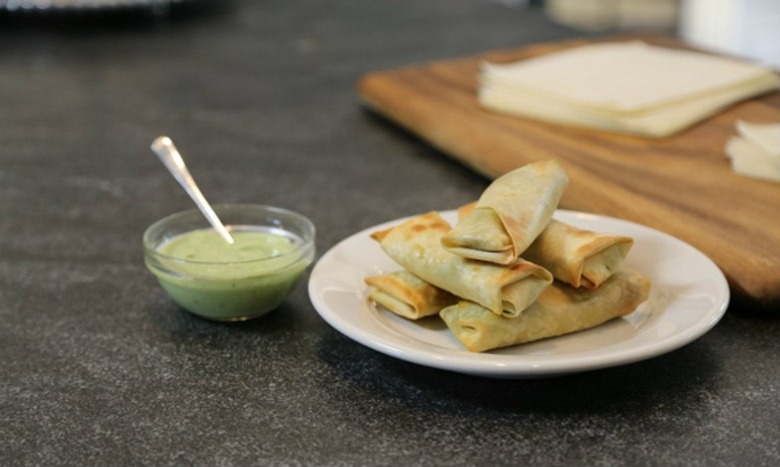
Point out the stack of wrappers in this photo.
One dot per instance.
(624, 87)
(508, 272)
(755, 152)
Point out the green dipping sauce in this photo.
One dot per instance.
(231, 282)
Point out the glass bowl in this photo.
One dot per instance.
(222, 282)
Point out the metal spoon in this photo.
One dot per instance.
(170, 157)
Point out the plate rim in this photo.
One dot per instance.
(501, 365)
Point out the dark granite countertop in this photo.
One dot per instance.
(99, 367)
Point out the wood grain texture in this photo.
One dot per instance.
(682, 185)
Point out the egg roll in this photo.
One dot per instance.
(576, 256)
(510, 214)
(560, 309)
(504, 290)
(407, 295)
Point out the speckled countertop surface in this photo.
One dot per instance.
(98, 367)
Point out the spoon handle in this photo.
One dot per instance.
(168, 154)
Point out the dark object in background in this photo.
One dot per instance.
(106, 15)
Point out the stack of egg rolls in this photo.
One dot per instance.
(508, 273)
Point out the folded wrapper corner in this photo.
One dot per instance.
(755, 152)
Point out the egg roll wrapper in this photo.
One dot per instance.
(505, 290)
(405, 294)
(560, 309)
(576, 256)
(510, 214)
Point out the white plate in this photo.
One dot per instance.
(689, 296)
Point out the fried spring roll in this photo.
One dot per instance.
(407, 295)
(560, 309)
(576, 256)
(505, 290)
(510, 214)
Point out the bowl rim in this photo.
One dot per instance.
(307, 241)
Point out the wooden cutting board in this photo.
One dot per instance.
(682, 185)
